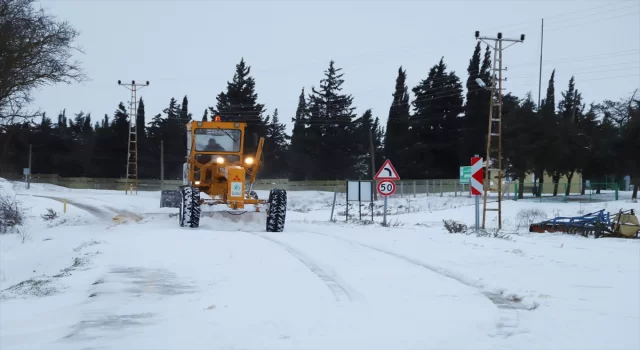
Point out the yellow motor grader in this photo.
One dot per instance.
(218, 168)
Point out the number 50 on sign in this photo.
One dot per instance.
(386, 187)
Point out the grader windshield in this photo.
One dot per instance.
(218, 140)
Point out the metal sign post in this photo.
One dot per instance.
(358, 191)
(384, 213)
(386, 188)
(476, 185)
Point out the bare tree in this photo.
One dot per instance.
(35, 50)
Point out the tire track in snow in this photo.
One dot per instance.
(340, 292)
(509, 322)
(98, 212)
(498, 298)
(104, 212)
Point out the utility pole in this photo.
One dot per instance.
(161, 165)
(132, 143)
(540, 72)
(495, 130)
(574, 107)
(29, 174)
(373, 161)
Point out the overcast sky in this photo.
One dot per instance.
(191, 48)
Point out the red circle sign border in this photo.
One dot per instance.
(386, 182)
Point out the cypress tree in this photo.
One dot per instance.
(541, 144)
(395, 140)
(476, 109)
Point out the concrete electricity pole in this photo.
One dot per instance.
(132, 143)
(30, 171)
(495, 130)
(161, 165)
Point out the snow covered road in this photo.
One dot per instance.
(165, 288)
(96, 283)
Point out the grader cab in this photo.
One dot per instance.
(218, 168)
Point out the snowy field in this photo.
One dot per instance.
(117, 272)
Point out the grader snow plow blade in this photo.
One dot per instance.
(244, 217)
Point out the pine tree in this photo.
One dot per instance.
(239, 103)
(205, 116)
(45, 142)
(600, 139)
(113, 148)
(395, 141)
(155, 136)
(175, 138)
(299, 158)
(275, 149)
(631, 144)
(435, 125)
(62, 119)
(87, 141)
(330, 128)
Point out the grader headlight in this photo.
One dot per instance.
(248, 160)
(220, 160)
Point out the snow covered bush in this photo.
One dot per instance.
(11, 213)
(23, 234)
(50, 215)
(526, 217)
(494, 233)
(455, 227)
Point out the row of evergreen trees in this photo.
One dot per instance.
(427, 136)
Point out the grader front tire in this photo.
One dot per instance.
(277, 211)
(189, 215)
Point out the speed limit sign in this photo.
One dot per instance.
(386, 187)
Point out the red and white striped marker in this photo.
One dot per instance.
(476, 176)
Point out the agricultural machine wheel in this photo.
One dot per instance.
(277, 210)
(598, 231)
(189, 207)
(584, 232)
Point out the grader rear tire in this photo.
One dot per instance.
(189, 215)
(277, 211)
